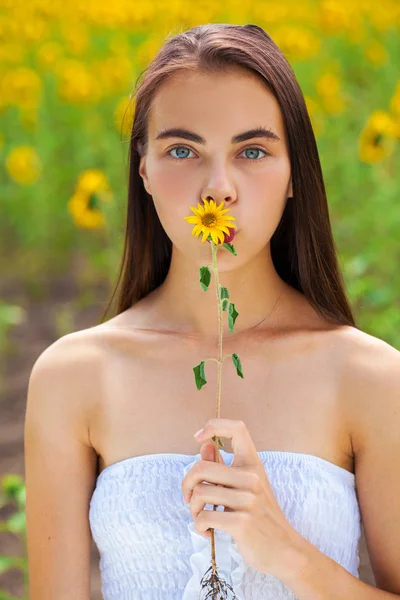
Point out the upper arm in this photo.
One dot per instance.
(375, 397)
(60, 470)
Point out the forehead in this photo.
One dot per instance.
(215, 103)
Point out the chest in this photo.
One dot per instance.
(288, 397)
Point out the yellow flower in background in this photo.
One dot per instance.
(376, 53)
(12, 53)
(76, 38)
(124, 114)
(48, 54)
(329, 91)
(92, 189)
(334, 16)
(76, 83)
(84, 215)
(23, 165)
(384, 17)
(20, 86)
(147, 50)
(33, 28)
(356, 32)
(378, 138)
(316, 117)
(328, 84)
(395, 100)
(210, 219)
(93, 180)
(114, 72)
(298, 43)
(395, 108)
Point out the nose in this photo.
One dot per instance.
(219, 188)
(218, 199)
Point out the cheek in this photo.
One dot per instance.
(268, 191)
(264, 221)
(275, 177)
(172, 191)
(168, 181)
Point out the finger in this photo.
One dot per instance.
(244, 450)
(218, 474)
(229, 498)
(207, 452)
(225, 521)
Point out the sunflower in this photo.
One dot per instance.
(210, 220)
(377, 139)
(92, 189)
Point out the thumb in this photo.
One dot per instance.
(207, 452)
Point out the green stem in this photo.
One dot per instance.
(219, 364)
(216, 360)
(220, 325)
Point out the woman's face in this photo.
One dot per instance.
(252, 176)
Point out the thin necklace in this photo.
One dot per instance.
(235, 335)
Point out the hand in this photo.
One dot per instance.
(252, 515)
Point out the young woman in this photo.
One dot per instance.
(313, 426)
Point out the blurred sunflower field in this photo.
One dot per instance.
(67, 72)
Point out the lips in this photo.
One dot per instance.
(229, 238)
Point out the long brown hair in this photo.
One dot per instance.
(302, 247)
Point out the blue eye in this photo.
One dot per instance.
(179, 148)
(184, 148)
(257, 150)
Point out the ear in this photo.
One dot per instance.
(143, 174)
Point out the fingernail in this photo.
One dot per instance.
(198, 433)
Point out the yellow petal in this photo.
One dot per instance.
(194, 209)
(205, 236)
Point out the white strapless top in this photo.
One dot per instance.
(149, 549)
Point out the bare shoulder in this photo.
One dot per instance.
(370, 383)
(72, 368)
(71, 348)
(60, 463)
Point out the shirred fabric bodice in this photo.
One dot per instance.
(149, 549)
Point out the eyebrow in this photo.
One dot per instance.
(178, 132)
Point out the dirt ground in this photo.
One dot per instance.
(28, 340)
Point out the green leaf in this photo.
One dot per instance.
(237, 364)
(224, 293)
(11, 485)
(16, 523)
(225, 303)
(231, 248)
(9, 562)
(199, 375)
(232, 316)
(205, 277)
